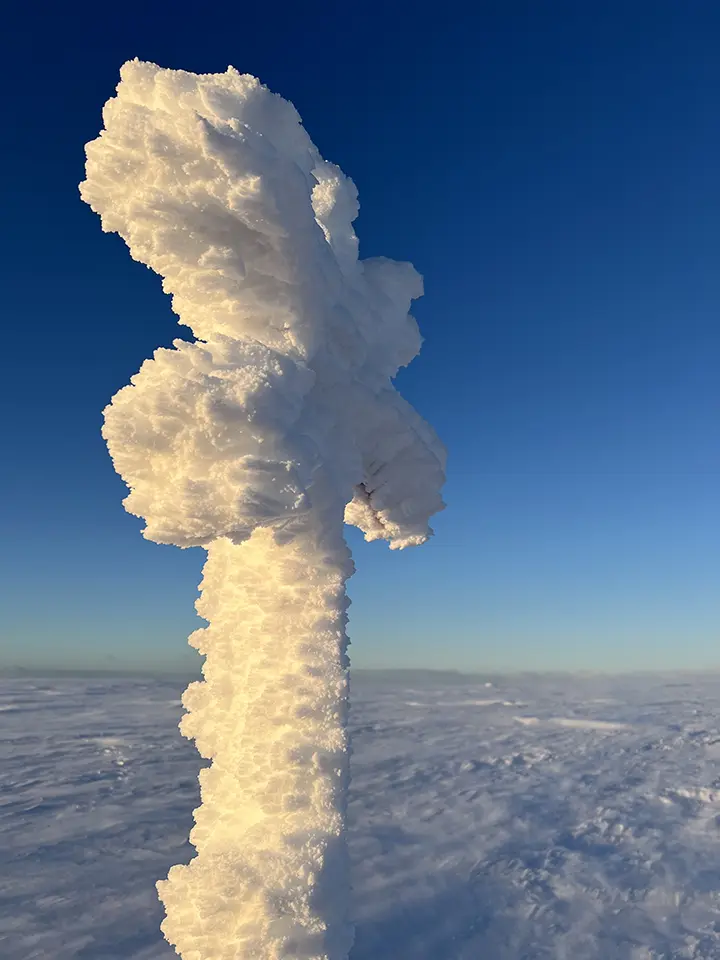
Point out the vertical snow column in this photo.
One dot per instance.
(270, 876)
(253, 441)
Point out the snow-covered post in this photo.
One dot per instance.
(255, 441)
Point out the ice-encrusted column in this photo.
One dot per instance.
(270, 878)
(254, 441)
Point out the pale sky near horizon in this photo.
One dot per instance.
(552, 171)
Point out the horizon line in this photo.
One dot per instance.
(18, 672)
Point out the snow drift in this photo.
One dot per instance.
(255, 441)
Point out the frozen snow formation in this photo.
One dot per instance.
(255, 441)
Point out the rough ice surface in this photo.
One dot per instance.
(255, 441)
(214, 184)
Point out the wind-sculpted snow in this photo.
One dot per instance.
(270, 876)
(214, 184)
(255, 441)
(471, 834)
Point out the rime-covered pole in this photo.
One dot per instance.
(254, 441)
(270, 878)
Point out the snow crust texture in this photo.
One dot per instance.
(255, 441)
(472, 835)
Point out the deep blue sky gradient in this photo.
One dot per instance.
(553, 170)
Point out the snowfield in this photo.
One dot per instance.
(536, 817)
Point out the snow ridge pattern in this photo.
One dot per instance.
(255, 441)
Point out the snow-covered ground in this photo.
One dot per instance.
(566, 818)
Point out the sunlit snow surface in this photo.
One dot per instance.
(558, 818)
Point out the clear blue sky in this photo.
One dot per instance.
(553, 170)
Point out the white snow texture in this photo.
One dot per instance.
(472, 836)
(254, 441)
